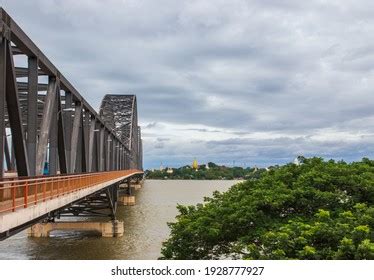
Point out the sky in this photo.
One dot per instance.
(247, 82)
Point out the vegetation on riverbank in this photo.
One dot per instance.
(315, 210)
(211, 171)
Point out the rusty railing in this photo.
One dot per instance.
(21, 193)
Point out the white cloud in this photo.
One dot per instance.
(205, 72)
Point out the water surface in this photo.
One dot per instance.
(145, 226)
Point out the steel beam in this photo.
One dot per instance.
(109, 152)
(16, 51)
(68, 127)
(101, 149)
(83, 151)
(78, 164)
(106, 150)
(96, 152)
(14, 114)
(13, 159)
(3, 57)
(61, 135)
(75, 136)
(22, 72)
(117, 156)
(86, 126)
(91, 141)
(46, 125)
(114, 144)
(53, 139)
(32, 113)
(7, 153)
(24, 86)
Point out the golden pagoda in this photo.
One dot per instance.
(195, 165)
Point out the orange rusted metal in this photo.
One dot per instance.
(20, 193)
(26, 194)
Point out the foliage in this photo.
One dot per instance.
(214, 172)
(316, 210)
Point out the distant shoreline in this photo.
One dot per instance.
(210, 171)
(195, 179)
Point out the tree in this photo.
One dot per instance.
(214, 172)
(316, 210)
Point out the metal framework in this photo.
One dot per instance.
(119, 112)
(47, 127)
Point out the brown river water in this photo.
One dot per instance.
(145, 226)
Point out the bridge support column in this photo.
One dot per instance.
(137, 184)
(126, 194)
(107, 229)
(127, 200)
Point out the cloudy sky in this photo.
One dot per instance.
(255, 82)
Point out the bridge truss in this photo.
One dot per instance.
(48, 128)
(50, 124)
(119, 112)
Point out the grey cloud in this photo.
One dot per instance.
(294, 67)
(151, 125)
(159, 146)
(160, 139)
(202, 130)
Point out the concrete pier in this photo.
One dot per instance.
(127, 200)
(136, 186)
(107, 229)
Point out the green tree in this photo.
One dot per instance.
(316, 210)
(214, 172)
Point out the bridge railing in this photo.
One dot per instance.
(21, 193)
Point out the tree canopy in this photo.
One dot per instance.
(213, 172)
(316, 210)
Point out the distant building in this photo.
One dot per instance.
(161, 167)
(169, 171)
(195, 165)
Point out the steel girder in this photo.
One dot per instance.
(100, 204)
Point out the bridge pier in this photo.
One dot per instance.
(107, 229)
(127, 200)
(138, 184)
(127, 190)
(126, 194)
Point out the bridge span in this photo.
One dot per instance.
(58, 156)
(25, 202)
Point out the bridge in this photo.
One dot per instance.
(58, 156)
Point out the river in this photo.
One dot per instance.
(145, 226)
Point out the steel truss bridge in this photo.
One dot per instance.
(57, 154)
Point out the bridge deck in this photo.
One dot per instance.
(24, 200)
